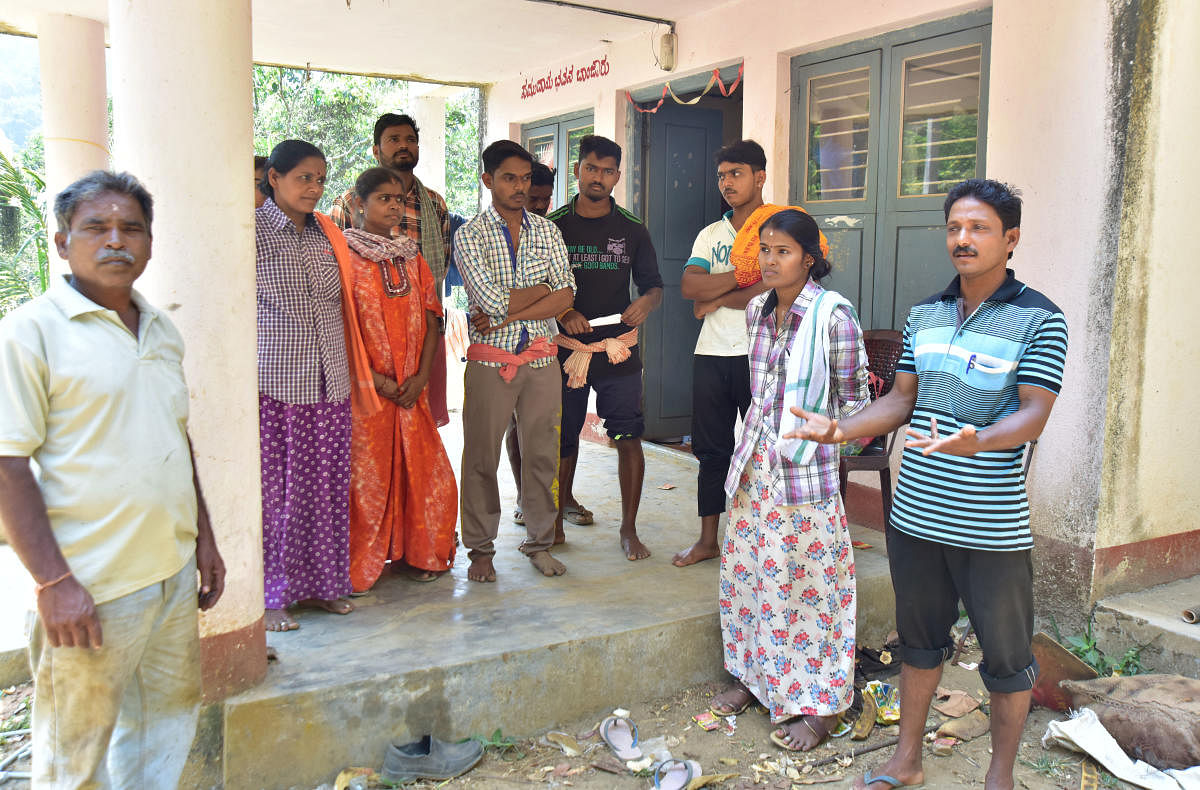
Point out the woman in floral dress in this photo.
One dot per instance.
(787, 593)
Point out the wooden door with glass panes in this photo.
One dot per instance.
(881, 135)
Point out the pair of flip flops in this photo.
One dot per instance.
(676, 774)
(621, 735)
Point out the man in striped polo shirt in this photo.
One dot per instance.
(981, 369)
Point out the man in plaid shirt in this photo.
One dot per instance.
(518, 278)
(397, 147)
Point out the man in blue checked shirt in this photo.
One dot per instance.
(981, 368)
(517, 276)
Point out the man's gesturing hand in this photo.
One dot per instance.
(69, 615)
(816, 428)
(964, 441)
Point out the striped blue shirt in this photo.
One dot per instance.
(969, 375)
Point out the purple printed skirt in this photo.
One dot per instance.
(306, 500)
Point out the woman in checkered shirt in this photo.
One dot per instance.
(303, 393)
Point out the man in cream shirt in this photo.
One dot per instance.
(111, 525)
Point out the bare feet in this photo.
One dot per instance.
(803, 733)
(634, 549)
(732, 700)
(899, 771)
(481, 569)
(698, 552)
(337, 606)
(279, 620)
(560, 535)
(544, 561)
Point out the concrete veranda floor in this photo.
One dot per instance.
(455, 658)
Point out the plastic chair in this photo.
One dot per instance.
(884, 347)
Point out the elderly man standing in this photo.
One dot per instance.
(113, 526)
(424, 218)
(517, 275)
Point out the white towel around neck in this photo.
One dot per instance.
(806, 383)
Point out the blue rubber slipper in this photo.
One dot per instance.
(676, 774)
(890, 781)
(621, 735)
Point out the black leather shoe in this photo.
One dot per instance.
(429, 758)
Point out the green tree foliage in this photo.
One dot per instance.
(337, 112)
(25, 260)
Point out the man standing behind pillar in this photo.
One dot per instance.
(517, 275)
(113, 528)
(721, 367)
(424, 218)
(608, 247)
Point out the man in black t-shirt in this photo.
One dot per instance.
(607, 246)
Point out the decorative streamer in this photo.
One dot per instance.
(715, 79)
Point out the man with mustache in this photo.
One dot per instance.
(112, 527)
(608, 246)
(981, 368)
(517, 277)
(720, 368)
(424, 218)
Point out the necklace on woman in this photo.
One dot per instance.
(398, 286)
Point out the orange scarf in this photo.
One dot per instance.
(744, 255)
(576, 366)
(363, 399)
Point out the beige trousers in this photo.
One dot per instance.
(122, 715)
(535, 394)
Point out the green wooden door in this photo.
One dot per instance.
(881, 130)
(681, 198)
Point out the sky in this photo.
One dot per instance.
(20, 90)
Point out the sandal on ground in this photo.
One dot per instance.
(422, 575)
(676, 774)
(621, 735)
(578, 515)
(821, 730)
(732, 710)
(518, 516)
(890, 781)
(866, 719)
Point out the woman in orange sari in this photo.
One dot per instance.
(403, 498)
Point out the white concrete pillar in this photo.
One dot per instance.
(430, 114)
(765, 115)
(74, 104)
(183, 124)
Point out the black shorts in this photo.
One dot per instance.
(618, 403)
(996, 588)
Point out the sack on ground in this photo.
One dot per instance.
(1155, 718)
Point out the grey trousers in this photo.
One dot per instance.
(535, 394)
(122, 715)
